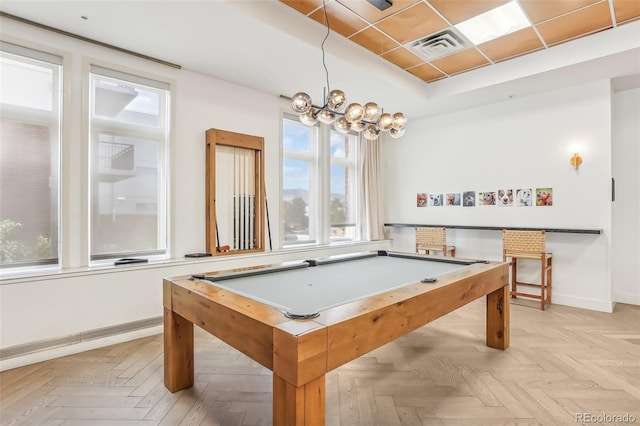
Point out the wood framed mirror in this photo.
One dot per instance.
(235, 201)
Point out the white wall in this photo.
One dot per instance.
(514, 144)
(80, 299)
(626, 208)
(518, 142)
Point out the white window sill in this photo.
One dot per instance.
(300, 252)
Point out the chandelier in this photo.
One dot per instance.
(369, 118)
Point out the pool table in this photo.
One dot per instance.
(302, 319)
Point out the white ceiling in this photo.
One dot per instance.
(265, 45)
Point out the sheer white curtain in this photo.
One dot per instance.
(371, 199)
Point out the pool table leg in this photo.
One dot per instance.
(298, 405)
(178, 351)
(498, 317)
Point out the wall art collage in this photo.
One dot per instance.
(525, 197)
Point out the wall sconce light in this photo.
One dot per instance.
(576, 160)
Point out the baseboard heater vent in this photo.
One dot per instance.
(72, 339)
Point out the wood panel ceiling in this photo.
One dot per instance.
(390, 33)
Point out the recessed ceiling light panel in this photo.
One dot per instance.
(495, 23)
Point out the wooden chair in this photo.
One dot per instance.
(529, 245)
(433, 239)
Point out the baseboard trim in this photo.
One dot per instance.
(628, 298)
(584, 303)
(54, 348)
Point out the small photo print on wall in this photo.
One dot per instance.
(544, 196)
(487, 198)
(435, 200)
(421, 199)
(453, 199)
(524, 197)
(469, 198)
(505, 198)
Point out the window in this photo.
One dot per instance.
(320, 184)
(129, 131)
(30, 126)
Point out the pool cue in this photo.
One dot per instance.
(219, 248)
(266, 206)
(249, 204)
(217, 233)
(253, 220)
(243, 211)
(235, 211)
(247, 242)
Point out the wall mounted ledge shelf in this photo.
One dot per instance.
(496, 228)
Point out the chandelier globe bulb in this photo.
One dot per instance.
(371, 111)
(385, 122)
(309, 117)
(336, 100)
(301, 102)
(396, 133)
(399, 120)
(357, 126)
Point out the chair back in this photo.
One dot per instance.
(431, 236)
(527, 242)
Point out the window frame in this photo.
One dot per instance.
(320, 163)
(97, 126)
(54, 121)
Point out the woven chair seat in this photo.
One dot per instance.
(526, 255)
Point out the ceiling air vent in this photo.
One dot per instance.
(440, 44)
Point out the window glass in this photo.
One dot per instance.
(319, 185)
(27, 84)
(296, 190)
(30, 107)
(299, 183)
(129, 137)
(344, 184)
(296, 137)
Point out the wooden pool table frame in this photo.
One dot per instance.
(301, 352)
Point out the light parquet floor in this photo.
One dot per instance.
(563, 363)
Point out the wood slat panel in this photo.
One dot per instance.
(512, 45)
(402, 58)
(371, 13)
(341, 20)
(410, 20)
(303, 6)
(427, 72)
(375, 41)
(540, 11)
(583, 22)
(462, 61)
(626, 10)
(412, 23)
